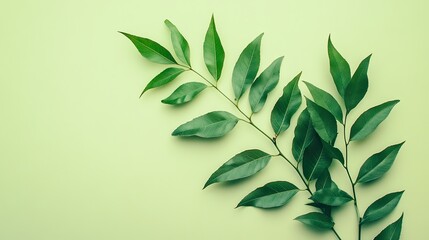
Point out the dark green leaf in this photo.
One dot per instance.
(381, 207)
(304, 135)
(326, 100)
(332, 196)
(247, 67)
(316, 219)
(214, 55)
(324, 208)
(163, 78)
(185, 93)
(391, 232)
(358, 85)
(315, 160)
(323, 121)
(151, 50)
(325, 181)
(240, 166)
(286, 106)
(340, 69)
(378, 164)
(271, 195)
(264, 84)
(333, 152)
(180, 45)
(211, 125)
(370, 119)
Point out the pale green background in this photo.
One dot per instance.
(81, 157)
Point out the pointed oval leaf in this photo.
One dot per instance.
(326, 100)
(323, 121)
(180, 45)
(327, 210)
(316, 219)
(333, 152)
(304, 135)
(358, 85)
(185, 93)
(214, 55)
(315, 160)
(240, 166)
(340, 69)
(163, 78)
(286, 106)
(370, 119)
(264, 84)
(151, 50)
(271, 195)
(324, 181)
(378, 164)
(391, 232)
(332, 196)
(211, 125)
(381, 207)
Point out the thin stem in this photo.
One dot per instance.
(336, 234)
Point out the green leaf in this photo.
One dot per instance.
(332, 196)
(247, 67)
(378, 164)
(391, 232)
(184, 93)
(340, 69)
(323, 121)
(325, 181)
(211, 125)
(325, 100)
(370, 119)
(163, 78)
(151, 50)
(240, 166)
(180, 45)
(316, 219)
(264, 84)
(327, 210)
(358, 85)
(333, 152)
(315, 160)
(286, 106)
(214, 55)
(381, 207)
(304, 135)
(271, 195)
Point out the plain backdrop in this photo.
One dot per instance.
(82, 157)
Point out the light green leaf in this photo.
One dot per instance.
(323, 122)
(358, 85)
(185, 93)
(286, 106)
(240, 166)
(381, 207)
(332, 196)
(325, 100)
(180, 45)
(211, 125)
(370, 119)
(271, 195)
(316, 219)
(264, 84)
(304, 135)
(247, 67)
(391, 232)
(340, 69)
(163, 78)
(214, 55)
(151, 50)
(378, 164)
(315, 160)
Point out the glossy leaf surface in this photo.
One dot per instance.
(323, 121)
(163, 78)
(381, 207)
(332, 196)
(324, 181)
(358, 85)
(185, 93)
(180, 45)
(214, 55)
(325, 100)
(391, 232)
(316, 219)
(304, 135)
(333, 152)
(315, 160)
(340, 69)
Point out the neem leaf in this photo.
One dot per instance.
(304, 135)
(323, 121)
(180, 45)
(151, 50)
(240, 166)
(368, 121)
(378, 164)
(381, 207)
(271, 195)
(358, 85)
(326, 100)
(286, 106)
(264, 84)
(391, 232)
(315, 160)
(332, 196)
(211, 125)
(163, 78)
(340, 69)
(184, 93)
(247, 67)
(214, 55)
(316, 219)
